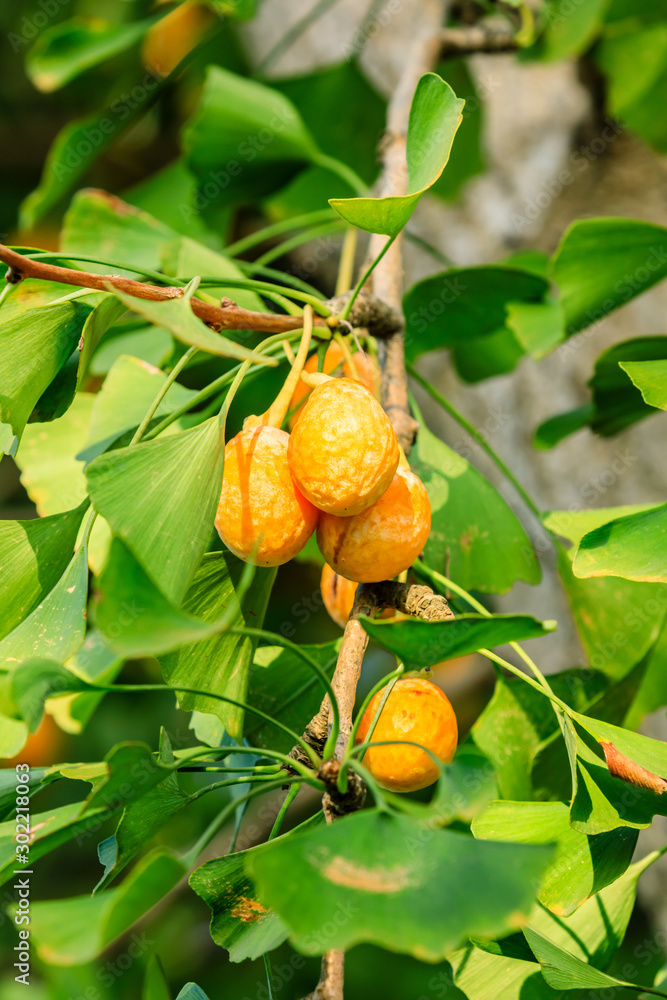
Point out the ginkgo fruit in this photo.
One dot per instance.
(262, 516)
(359, 366)
(343, 451)
(416, 711)
(383, 540)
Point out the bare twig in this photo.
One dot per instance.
(229, 317)
(387, 279)
(455, 42)
(368, 311)
(330, 986)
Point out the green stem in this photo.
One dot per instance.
(219, 383)
(524, 677)
(168, 382)
(474, 433)
(447, 584)
(280, 276)
(292, 34)
(298, 240)
(428, 248)
(131, 688)
(248, 779)
(365, 276)
(269, 975)
(7, 290)
(209, 833)
(208, 767)
(390, 679)
(258, 752)
(277, 229)
(343, 171)
(158, 276)
(289, 799)
(266, 288)
(280, 640)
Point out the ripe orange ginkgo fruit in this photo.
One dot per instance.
(357, 366)
(417, 711)
(338, 596)
(383, 540)
(343, 452)
(262, 516)
(332, 360)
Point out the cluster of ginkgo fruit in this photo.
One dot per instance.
(340, 471)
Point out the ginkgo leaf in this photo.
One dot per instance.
(435, 116)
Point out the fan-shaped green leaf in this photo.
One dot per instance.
(176, 316)
(475, 537)
(57, 626)
(33, 556)
(220, 664)
(634, 547)
(120, 405)
(246, 139)
(77, 930)
(160, 498)
(35, 345)
(603, 263)
(650, 377)
(582, 865)
(435, 115)
(421, 644)
(358, 882)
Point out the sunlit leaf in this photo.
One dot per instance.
(613, 639)
(160, 498)
(50, 472)
(603, 263)
(360, 869)
(35, 345)
(220, 664)
(135, 616)
(435, 116)
(634, 547)
(57, 626)
(421, 644)
(33, 556)
(582, 865)
(177, 317)
(475, 537)
(650, 377)
(122, 402)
